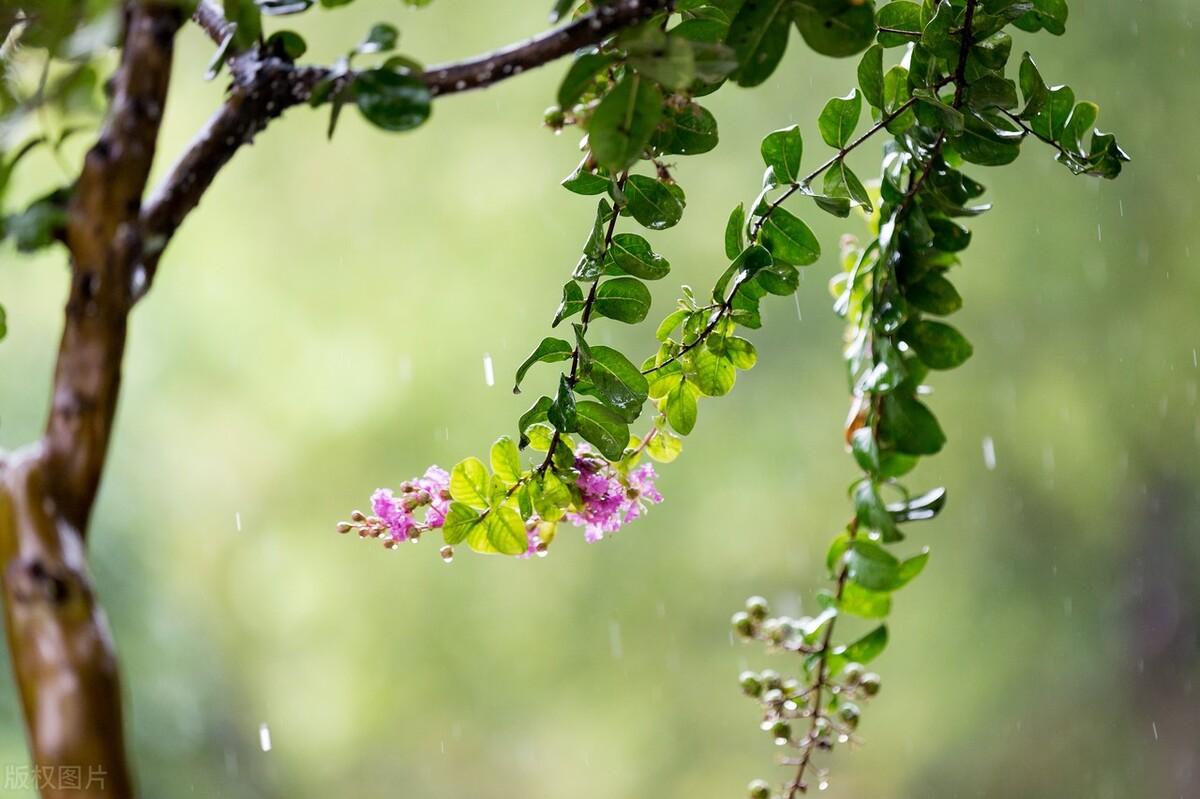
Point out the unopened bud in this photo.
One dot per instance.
(757, 607)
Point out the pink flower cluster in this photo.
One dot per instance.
(608, 502)
(394, 518)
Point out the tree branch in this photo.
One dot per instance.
(265, 86)
(62, 653)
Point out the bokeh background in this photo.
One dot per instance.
(320, 328)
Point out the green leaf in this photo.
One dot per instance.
(738, 351)
(501, 531)
(664, 447)
(911, 426)
(871, 513)
(934, 294)
(859, 601)
(625, 299)
(584, 182)
(841, 182)
(984, 144)
(621, 126)
(460, 520)
(735, 232)
(664, 58)
(836, 28)
(287, 45)
(506, 461)
(839, 119)
(759, 37)
(616, 380)
(3, 323)
(1051, 120)
(381, 38)
(871, 566)
(561, 413)
(938, 344)
(749, 263)
(1048, 15)
(651, 203)
(391, 100)
(631, 254)
(867, 648)
(669, 323)
(538, 412)
(469, 483)
(603, 428)
(1033, 88)
(550, 350)
(714, 375)
(572, 302)
(782, 150)
(870, 75)
(694, 131)
(580, 76)
(789, 240)
(901, 16)
(911, 568)
(680, 407)
(919, 509)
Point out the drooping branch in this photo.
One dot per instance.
(265, 86)
(63, 658)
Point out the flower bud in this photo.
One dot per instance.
(759, 789)
(853, 673)
(554, 117)
(358, 516)
(782, 731)
(743, 625)
(870, 683)
(773, 697)
(849, 714)
(771, 678)
(344, 527)
(757, 607)
(750, 683)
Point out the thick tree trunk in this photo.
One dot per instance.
(62, 652)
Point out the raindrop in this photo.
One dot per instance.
(1154, 728)
(823, 785)
(447, 553)
(614, 639)
(137, 286)
(989, 453)
(799, 315)
(264, 737)
(237, 521)
(489, 375)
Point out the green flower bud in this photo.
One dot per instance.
(782, 731)
(849, 714)
(757, 607)
(870, 683)
(853, 673)
(773, 697)
(743, 625)
(750, 683)
(759, 789)
(554, 117)
(771, 678)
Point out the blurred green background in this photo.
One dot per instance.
(320, 327)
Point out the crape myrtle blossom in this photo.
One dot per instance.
(421, 506)
(604, 501)
(607, 501)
